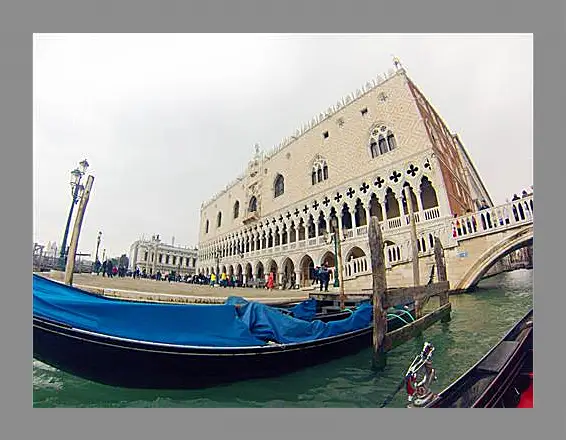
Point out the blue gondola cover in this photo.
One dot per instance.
(237, 323)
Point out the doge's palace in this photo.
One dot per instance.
(348, 163)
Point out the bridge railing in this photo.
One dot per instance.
(493, 219)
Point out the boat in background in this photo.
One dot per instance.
(502, 378)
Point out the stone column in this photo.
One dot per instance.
(383, 212)
(419, 203)
(297, 278)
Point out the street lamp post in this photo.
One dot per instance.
(338, 259)
(97, 245)
(76, 176)
(336, 239)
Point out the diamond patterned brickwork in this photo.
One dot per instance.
(346, 150)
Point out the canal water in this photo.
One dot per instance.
(479, 320)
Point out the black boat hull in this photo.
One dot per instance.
(134, 364)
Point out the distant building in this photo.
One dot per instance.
(154, 255)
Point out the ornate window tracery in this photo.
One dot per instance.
(382, 140)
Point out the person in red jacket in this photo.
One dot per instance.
(270, 281)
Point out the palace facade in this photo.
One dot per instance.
(347, 164)
(154, 255)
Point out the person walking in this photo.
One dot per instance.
(324, 277)
(270, 281)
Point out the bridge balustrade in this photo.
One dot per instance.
(491, 219)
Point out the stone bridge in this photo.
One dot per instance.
(473, 243)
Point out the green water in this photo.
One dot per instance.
(479, 320)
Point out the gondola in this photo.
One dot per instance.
(502, 378)
(177, 346)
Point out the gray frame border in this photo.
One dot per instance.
(18, 20)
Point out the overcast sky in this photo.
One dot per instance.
(166, 120)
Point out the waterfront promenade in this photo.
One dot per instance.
(146, 289)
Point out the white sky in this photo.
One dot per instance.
(167, 120)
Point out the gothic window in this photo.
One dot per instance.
(382, 140)
(219, 219)
(373, 149)
(253, 204)
(391, 140)
(279, 185)
(236, 209)
(382, 145)
(206, 228)
(319, 170)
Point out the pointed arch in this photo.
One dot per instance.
(428, 194)
(279, 185)
(253, 204)
(391, 204)
(360, 213)
(236, 209)
(375, 207)
(346, 217)
(219, 219)
(392, 144)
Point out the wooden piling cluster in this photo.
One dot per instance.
(384, 298)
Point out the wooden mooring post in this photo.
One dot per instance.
(379, 287)
(384, 298)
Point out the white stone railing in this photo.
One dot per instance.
(362, 231)
(431, 213)
(394, 223)
(348, 234)
(393, 253)
(355, 267)
(500, 218)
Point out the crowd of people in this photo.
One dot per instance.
(322, 276)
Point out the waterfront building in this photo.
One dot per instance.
(348, 163)
(154, 255)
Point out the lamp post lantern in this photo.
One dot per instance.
(76, 189)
